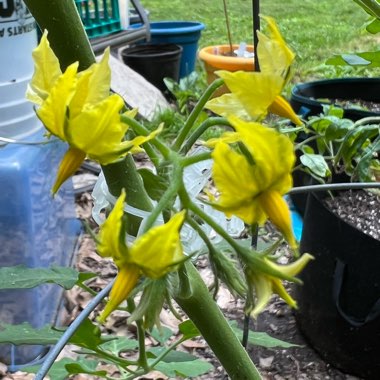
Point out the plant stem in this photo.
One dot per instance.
(123, 175)
(142, 360)
(142, 131)
(334, 186)
(195, 113)
(371, 6)
(66, 33)
(210, 122)
(187, 161)
(227, 20)
(206, 315)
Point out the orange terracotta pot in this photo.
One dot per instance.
(214, 59)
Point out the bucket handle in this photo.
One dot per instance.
(337, 287)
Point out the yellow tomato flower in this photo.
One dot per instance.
(254, 94)
(78, 108)
(153, 254)
(252, 180)
(265, 285)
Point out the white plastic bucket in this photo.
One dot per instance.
(18, 38)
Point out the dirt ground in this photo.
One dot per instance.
(277, 320)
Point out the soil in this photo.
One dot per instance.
(355, 104)
(277, 320)
(360, 208)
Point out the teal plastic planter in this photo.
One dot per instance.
(183, 33)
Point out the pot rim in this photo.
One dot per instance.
(208, 55)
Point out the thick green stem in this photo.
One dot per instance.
(206, 315)
(66, 33)
(123, 175)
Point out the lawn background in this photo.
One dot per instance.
(314, 29)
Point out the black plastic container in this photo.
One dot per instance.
(307, 98)
(154, 62)
(339, 302)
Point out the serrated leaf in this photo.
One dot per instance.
(188, 329)
(162, 334)
(261, 338)
(121, 344)
(154, 184)
(316, 164)
(21, 277)
(172, 356)
(26, 334)
(184, 369)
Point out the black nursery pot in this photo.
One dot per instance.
(339, 302)
(154, 62)
(307, 98)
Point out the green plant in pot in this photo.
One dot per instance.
(335, 315)
(341, 315)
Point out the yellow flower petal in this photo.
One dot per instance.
(46, 71)
(293, 268)
(274, 54)
(233, 177)
(126, 280)
(159, 250)
(53, 112)
(263, 293)
(282, 108)
(226, 105)
(255, 91)
(275, 206)
(68, 166)
(98, 130)
(112, 234)
(265, 285)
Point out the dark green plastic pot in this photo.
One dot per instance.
(307, 99)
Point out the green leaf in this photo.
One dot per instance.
(337, 131)
(61, 369)
(261, 338)
(57, 371)
(85, 276)
(85, 366)
(188, 329)
(121, 344)
(172, 356)
(316, 163)
(374, 26)
(21, 277)
(184, 369)
(154, 184)
(26, 334)
(368, 59)
(162, 334)
(88, 336)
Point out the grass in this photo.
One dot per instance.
(315, 29)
